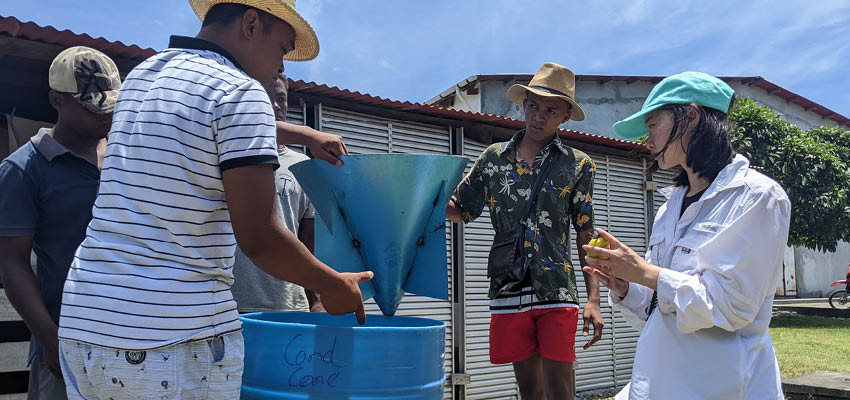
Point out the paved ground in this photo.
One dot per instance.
(7, 313)
(818, 385)
(795, 302)
(815, 307)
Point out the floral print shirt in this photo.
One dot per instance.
(502, 181)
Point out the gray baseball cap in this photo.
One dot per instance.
(88, 75)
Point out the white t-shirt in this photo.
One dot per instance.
(155, 266)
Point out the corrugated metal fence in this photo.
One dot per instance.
(620, 204)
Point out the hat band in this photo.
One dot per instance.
(552, 91)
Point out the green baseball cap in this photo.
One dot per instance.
(683, 88)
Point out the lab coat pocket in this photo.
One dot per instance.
(685, 253)
(684, 258)
(654, 245)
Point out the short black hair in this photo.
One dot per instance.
(710, 148)
(226, 13)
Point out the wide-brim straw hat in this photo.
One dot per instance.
(306, 41)
(551, 80)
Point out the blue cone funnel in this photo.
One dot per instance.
(384, 213)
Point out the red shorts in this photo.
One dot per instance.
(550, 332)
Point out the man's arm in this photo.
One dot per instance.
(324, 146)
(265, 240)
(306, 235)
(582, 216)
(469, 195)
(22, 290)
(453, 212)
(592, 311)
(583, 238)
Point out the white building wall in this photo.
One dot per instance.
(788, 111)
(816, 270)
(467, 102)
(606, 103)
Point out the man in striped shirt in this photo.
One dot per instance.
(147, 309)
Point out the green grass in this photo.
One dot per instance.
(808, 344)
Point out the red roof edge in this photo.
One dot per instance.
(13, 27)
(315, 89)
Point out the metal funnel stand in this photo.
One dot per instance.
(384, 213)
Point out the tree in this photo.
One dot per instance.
(812, 166)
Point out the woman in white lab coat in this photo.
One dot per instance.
(702, 296)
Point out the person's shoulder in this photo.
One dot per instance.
(580, 155)
(206, 64)
(580, 160)
(25, 157)
(291, 156)
(494, 150)
(759, 183)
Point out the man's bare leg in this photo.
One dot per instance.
(529, 377)
(559, 379)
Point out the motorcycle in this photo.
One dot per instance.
(841, 298)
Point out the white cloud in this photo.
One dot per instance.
(309, 9)
(383, 63)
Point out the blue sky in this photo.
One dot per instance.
(414, 49)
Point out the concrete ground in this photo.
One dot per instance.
(796, 302)
(818, 385)
(814, 307)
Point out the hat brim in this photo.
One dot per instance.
(634, 126)
(92, 105)
(517, 92)
(306, 41)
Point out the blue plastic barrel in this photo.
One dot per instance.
(294, 355)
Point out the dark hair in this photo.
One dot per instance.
(226, 13)
(710, 148)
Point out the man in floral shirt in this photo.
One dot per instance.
(534, 320)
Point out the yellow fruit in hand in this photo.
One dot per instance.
(599, 242)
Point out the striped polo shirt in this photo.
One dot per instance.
(155, 266)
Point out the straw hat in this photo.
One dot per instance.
(306, 42)
(551, 80)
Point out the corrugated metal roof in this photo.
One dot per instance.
(13, 27)
(29, 30)
(757, 81)
(334, 92)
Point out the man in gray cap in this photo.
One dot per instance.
(49, 186)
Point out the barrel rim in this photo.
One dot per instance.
(432, 324)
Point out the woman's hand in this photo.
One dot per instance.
(614, 284)
(622, 263)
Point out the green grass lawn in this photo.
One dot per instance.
(808, 344)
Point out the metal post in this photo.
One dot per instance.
(389, 137)
(459, 376)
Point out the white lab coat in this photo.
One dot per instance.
(722, 260)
